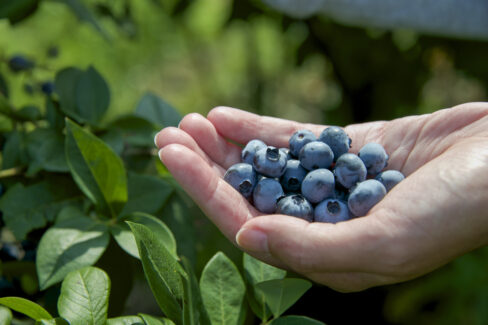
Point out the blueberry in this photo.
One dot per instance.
(299, 139)
(250, 150)
(316, 154)
(364, 196)
(318, 185)
(297, 206)
(332, 211)
(390, 178)
(47, 87)
(349, 170)
(266, 195)
(293, 176)
(374, 157)
(270, 161)
(337, 139)
(19, 63)
(242, 177)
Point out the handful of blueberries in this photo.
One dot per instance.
(314, 179)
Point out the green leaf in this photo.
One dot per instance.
(69, 245)
(147, 194)
(151, 320)
(26, 307)
(65, 84)
(97, 170)
(295, 320)
(125, 320)
(222, 290)
(83, 95)
(14, 150)
(84, 297)
(161, 269)
(54, 321)
(136, 130)
(92, 96)
(29, 207)
(54, 116)
(114, 139)
(157, 111)
(126, 240)
(5, 315)
(17, 10)
(193, 309)
(256, 271)
(45, 148)
(28, 113)
(282, 294)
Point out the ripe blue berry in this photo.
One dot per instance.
(297, 206)
(293, 176)
(316, 154)
(374, 157)
(390, 178)
(19, 63)
(270, 162)
(266, 195)
(364, 196)
(318, 185)
(332, 211)
(47, 87)
(337, 139)
(250, 150)
(299, 139)
(349, 170)
(242, 177)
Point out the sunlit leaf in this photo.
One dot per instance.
(97, 170)
(26, 307)
(84, 297)
(69, 245)
(222, 290)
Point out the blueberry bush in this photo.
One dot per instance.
(76, 189)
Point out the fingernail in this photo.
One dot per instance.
(159, 154)
(155, 139)
(252, 240)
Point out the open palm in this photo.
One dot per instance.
(440, 211)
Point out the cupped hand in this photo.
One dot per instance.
(439, 212)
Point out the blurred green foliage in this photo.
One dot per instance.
(204, 53)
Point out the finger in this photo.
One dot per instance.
(213, 144)
(398, 136)
(241, 126)
(172, 135)
(352, 246)
(226, 207)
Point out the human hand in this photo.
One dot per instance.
(439, 212)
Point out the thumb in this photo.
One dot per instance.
(352, 246)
